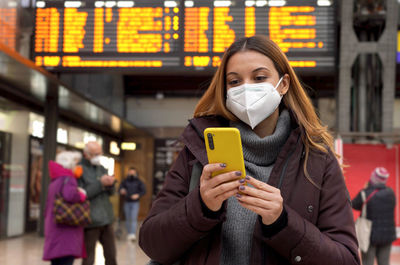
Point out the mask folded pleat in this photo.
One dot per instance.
(253, 103)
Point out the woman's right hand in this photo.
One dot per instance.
(215, 190)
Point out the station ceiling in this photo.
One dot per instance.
(28, 84)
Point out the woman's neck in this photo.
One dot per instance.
(267, 126)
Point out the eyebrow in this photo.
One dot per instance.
(231, 73)
(255, 70)
(261, 68)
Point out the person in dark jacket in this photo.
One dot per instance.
(99, 187)
(380, 210)
(132, 188)
(295, 208)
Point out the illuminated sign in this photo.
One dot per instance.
(8, 22)
(177, 36)
(114, 149)
(129, 146)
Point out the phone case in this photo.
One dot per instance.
(223, 145)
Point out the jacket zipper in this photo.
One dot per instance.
(286, 164)
(264, 254)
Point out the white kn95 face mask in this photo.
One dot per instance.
(95, 160)
(253, 103)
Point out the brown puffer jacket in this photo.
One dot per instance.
(320, 227)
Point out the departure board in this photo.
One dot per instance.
(179, 36)
(8, 26)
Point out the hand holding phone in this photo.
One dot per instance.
(224, 174)
(223, 145)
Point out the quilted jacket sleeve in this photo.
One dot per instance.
(176, 220)
(142, 189)
(70, 190)
(357, 202)
(90, 181)
(332, 238)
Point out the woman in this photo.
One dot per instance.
(63, 243)
(295, 207)
(132, 188)
(381, 202)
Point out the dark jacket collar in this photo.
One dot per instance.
(378, 186)
(193, 137)
(85, 162)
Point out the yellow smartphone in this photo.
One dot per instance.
(223, 145)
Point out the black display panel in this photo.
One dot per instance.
(154, 36)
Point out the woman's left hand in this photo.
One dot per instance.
(263, 199)
(135, 196)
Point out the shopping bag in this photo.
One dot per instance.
(363, 226)
(75, 214)
(363, 231)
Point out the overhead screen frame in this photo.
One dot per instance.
(180, 56)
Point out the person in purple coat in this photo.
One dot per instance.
(63, 243)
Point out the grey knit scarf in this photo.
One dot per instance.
(259, 155)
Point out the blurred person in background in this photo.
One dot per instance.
(295, 208)
(63, 243)
(370, 7)
(99, 186)
(132, 188)
(381, 202)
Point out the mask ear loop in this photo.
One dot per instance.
(279, 82)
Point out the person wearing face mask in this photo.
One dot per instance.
(99, 187)
(63, 243)
(380, 203)
(132, 188)
(295, 208)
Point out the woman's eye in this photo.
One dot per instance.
(233, 82)
(260, 78)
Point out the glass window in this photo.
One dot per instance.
(36, 125)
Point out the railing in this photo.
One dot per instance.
(372, 137)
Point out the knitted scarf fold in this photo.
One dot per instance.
(259, 155)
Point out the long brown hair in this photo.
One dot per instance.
(316, 136)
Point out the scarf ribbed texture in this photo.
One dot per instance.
(259, 158)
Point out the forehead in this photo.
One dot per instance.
(244, 61)
(95, 148)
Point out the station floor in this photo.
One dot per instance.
(27, 249)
